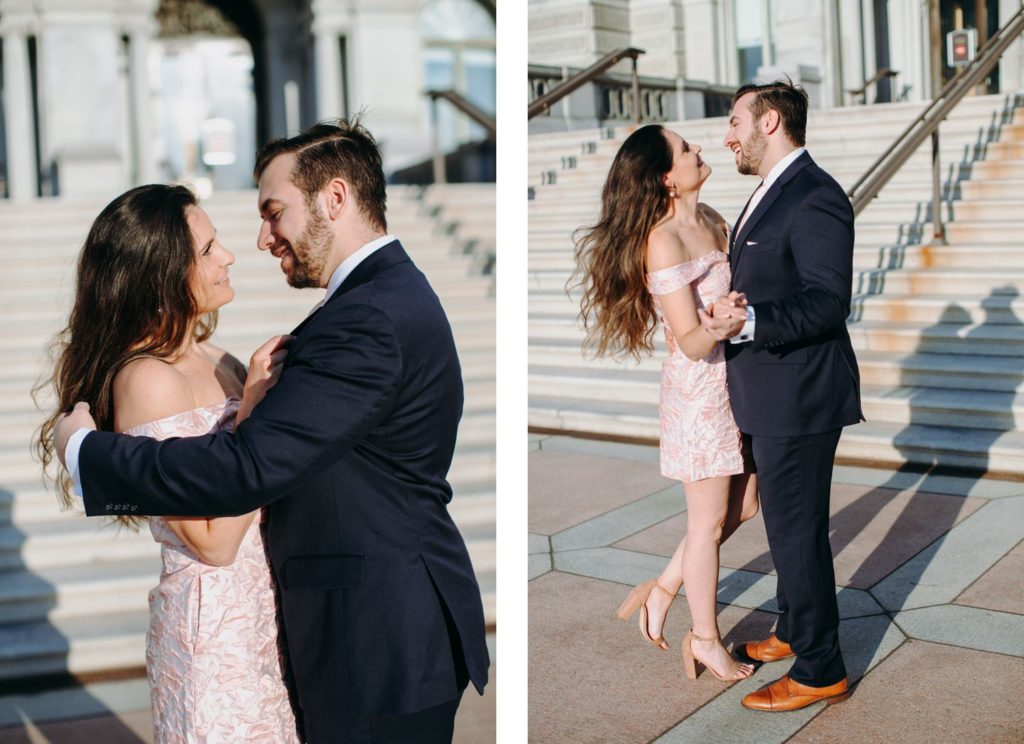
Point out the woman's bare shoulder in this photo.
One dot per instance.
(664, 249)
(149, 389)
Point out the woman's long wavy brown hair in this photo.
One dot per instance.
(133, 298)
(616, 310)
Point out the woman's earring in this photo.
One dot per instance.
(672, 192)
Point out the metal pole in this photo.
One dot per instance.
(439, 170)
(938, 228)
(636, 93)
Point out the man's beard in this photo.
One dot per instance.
(310, 252)
(752, 153)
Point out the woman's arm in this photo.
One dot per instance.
(148, 390)
(679, 307)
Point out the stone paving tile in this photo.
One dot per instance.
(873, 531)
(625, 520)
(135, 727)
(865, 643)
(593, 679)
(538, 565)
(984, 630)
(538, 544)
(945, 694)
(916, 542)
(599, 448)
(566, 489)
(952, 485)
(741, 588)
(747, 548)
(941, 572)
(999, 587)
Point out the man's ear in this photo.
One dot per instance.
(770, 121)
(336, 194)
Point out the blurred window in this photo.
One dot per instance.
(458, 54)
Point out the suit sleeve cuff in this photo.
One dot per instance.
(71, 458)
(747, 331)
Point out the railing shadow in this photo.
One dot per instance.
(34, 651)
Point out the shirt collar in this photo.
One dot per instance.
(347, 266)
(781, 166)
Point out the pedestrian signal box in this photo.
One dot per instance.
(961, 46)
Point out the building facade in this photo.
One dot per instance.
(104, 94)
(694, 50)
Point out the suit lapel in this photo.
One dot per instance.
(773, 193)
(383, 258)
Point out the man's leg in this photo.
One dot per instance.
(434, 725)
(795, 480)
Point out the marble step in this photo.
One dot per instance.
(77, 589)
(960, 282)
(942, 338)
(1000, 411)
(881, 444)
(555, 254)
(99, 641)
(948, 371)
(995, 309)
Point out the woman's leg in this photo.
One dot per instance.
(743, 505)
(708, 506)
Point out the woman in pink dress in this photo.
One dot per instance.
(657, 256)
(150, 279)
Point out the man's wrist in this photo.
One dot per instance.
(747, 331)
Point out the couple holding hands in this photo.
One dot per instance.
(760, 378)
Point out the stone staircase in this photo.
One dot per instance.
(938, 330)
(73, 591)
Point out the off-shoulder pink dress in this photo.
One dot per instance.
(699, 437)
(215, 673)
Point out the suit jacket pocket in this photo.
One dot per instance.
(322, 572)
(761, 246)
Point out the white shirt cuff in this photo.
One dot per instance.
(747, 331)
(71, 458)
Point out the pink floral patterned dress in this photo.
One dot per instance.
(699, 437)
(212, 658)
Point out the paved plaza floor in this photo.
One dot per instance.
(930, 584)
(117, 712)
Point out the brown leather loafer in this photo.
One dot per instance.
(785, 694)
(770, 649)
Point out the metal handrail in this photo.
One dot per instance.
(863, 90)
(927, 124)
(467, 107)
(583, 77)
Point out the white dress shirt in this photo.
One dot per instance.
(747, 332)
(340, 274)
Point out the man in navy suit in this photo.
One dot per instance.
(349, 452)
(793, 378)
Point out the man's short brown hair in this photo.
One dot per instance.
(789, 100)
(334, 149)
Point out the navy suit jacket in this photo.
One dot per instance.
(349, 452)
(793, 258)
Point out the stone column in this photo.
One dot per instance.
(388, 79)
(328, 24)
(83, 123)
(576, 33)
(20, 144)
(139, 37)
(656, 26)
(702, 37)
(1011, 66)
